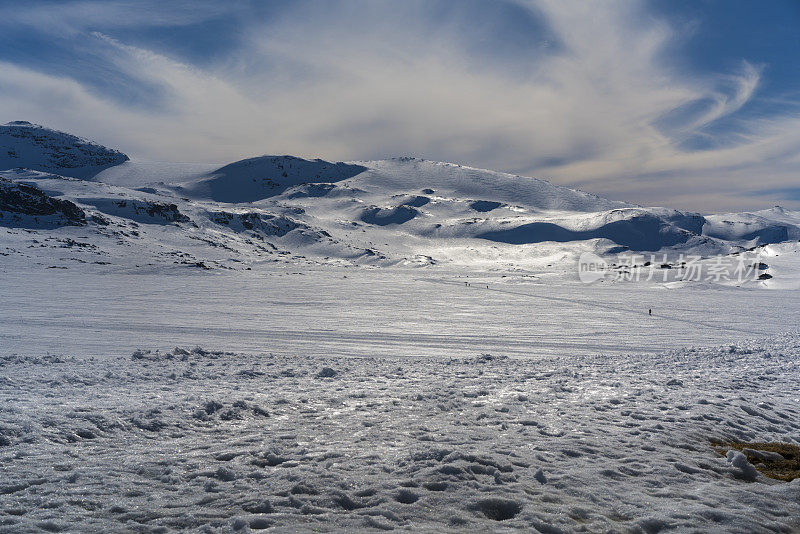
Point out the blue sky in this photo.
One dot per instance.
(693, 104)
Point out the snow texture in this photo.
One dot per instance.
(218, 441)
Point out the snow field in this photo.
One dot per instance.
(214, 441)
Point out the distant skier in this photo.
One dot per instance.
(650, 311)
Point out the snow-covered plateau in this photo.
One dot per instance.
(298, 345)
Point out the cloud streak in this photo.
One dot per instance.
(593, 103)
(74, 17)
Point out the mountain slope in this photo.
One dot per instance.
(773, 225)
(254, 179)
(25, 206)
(406, 198)
(449, 180)
(283, 208)
(30, 146)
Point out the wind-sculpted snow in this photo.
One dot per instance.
(310, 191)
(201, 440)
(26, 206)
(262, 177)
(30, 146)
(691, 222)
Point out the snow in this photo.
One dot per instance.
(399, 211)
(362, 346)
(422, 438)
(641, 233)
(766, 226)
(31, 146)
(747, 470)
(24, 206)
(138, 172)
(262, 177)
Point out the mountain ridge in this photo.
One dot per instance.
(374, 212)
(32, 146)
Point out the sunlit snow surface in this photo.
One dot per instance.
(396, 344)
(585, 416)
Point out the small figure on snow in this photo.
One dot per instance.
(650, 311)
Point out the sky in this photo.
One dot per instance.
(690, 104)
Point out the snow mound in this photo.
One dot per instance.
(26, 206)
(255, 179)
(138, 172)
(31, 146)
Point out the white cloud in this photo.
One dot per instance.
(378, 79)
(68, 18)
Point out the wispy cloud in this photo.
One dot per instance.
(592, 100)
(75, 16)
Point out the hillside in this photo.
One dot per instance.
(284, 208)
(254, 179)
(30, 146)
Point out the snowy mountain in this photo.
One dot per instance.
(284, 208)
(766, 226)
(213, 348)
(30, 146)
(254, 179)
